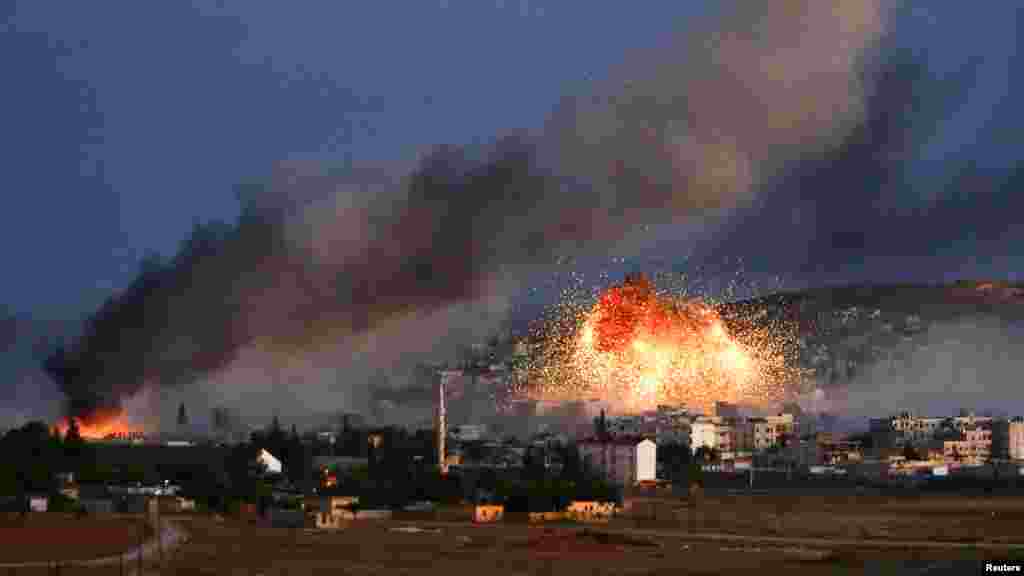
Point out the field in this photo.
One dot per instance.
(51, 537)
(947, 518)
(845, 535)
(378, 548)
(859, 538)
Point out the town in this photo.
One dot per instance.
(276, 472)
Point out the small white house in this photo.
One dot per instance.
(624, 461)
(267, 459)
(646, 460)
(38, 503)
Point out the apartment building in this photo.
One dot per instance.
(712, 432)
(974, 445)
(769, 431)
(1015, 440)
(914, 429)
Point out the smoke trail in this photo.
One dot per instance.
(362, 269)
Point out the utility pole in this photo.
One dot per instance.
(142, 533)
(441, 424)
(159, 535)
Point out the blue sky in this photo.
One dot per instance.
(127, 122)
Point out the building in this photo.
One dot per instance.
(330, 468)
(623, 461)
(834, 450)
(970, 419)
(895, 432)
(673, 431)
(712, 432)
(776, 430)
(38, 503)
(974, 446)
(590, 511)
(267, 459)
(914, 429)
(1015, 441)
(636, 425)
(483, 513)
(469, 432)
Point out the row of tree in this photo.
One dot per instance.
(35, 454)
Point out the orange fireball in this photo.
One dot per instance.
(101, 424)
(635, 349)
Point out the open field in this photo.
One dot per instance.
(52, 537)
(861, 535)
(378, 548)
(932, 517)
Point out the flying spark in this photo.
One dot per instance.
(635, 348)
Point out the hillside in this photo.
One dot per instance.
(846, 329)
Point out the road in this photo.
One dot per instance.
(777, 540)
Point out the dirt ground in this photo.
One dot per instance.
(231, 548)
(51, 537)
(932, 517)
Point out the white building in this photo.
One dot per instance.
(267, 459)
(707, 432)
(1016, 439)
(623, 461)
(715, 432)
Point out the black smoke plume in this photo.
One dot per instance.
(359, 270)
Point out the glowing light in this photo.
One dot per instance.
(587, 337)
(635, 348)
(101, 425)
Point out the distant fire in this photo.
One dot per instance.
(102, 425)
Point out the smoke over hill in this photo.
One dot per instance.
(873, 350)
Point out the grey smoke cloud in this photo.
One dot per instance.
(973, 364)
(331, 280)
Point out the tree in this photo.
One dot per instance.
(676, 457)
(182, 417)
(533, 463)
(865, 439)
(74, 434)
(9, 483)
(706, 454)
(572, 466)
(910, 453)
(78, 456)
(36, 454)
(601, 426)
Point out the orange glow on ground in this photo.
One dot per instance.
(101, 425)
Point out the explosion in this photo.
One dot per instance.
(101, 425)
(635, 349)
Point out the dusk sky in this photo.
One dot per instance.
(123, 124)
